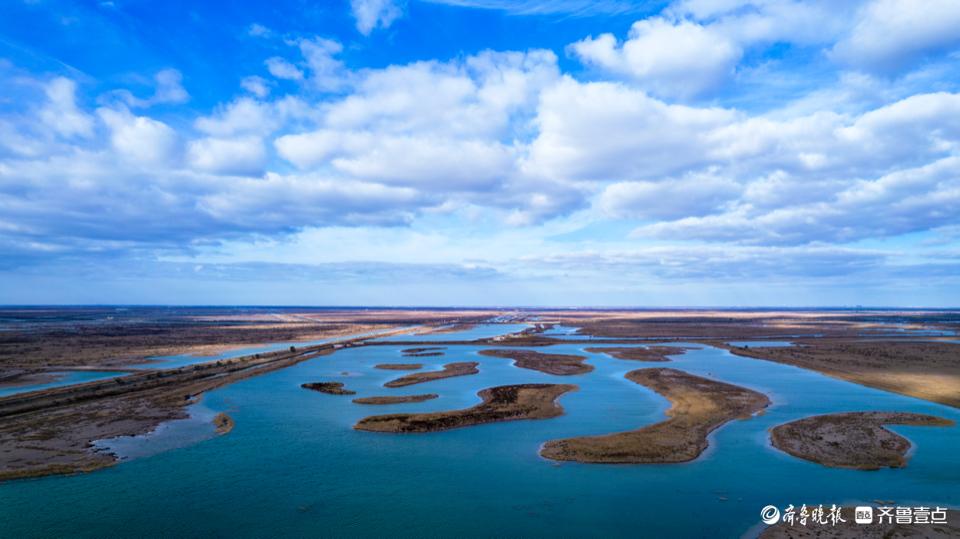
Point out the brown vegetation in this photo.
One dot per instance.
(399, 366)
(639, 353)
(926, 370)
(851, 440)
(399, 399)
(449, 370)
(502, 403)
(699, 405)
(559, 364)
(331, 388)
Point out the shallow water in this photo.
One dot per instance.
(64, 378)
(294, 467)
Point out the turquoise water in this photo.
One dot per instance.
(64, 378)
(294, 467)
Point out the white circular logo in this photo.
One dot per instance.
(770, 515)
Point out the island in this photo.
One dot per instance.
(332, 388)
(501, 403)
(855, 440)
(698, 406)
(559, 364)
(399, 366)
(463, 368)
(398, 399)
(639, 353)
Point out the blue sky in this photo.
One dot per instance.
(480, 152)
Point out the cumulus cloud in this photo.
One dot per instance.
(140, 139)
(168, 89)
(670, 58)
(258, 86)
(60, 112)
(282, 69)
(668, 199)
(371, 14)
(241, 156)
(890, 35)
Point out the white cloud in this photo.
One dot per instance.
(693, 195)
(241, 156)
(608, 132)
(371, 14)
(60, 112)
(326, 72)
(257, 86)
(890, 35)
(168, 89)
(669, 58)
(282, 69)
(140, 139)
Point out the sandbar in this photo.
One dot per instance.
(398, 399)
(698, 406)
(559, 364)
(399, 366)
(332, 388)
(501, 403)
(637, 353)
(449, 370)
(851, 440)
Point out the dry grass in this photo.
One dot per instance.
(699, 406)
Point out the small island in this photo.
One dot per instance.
(501, 403)
(639, 353)
(855, 440)
(332, 388)
(426, 351)
(449, 370)
(399, 366)
(396, 399)
(698, 406)
(559, 364)
(223, 423)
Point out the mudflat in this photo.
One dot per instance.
(851, 440)
(559, 364)
(926, 370)
(398, 399)
(638, 353)
(698, 406)
(223, 423)
(501, 403)
(332, 388)
(463, 368)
